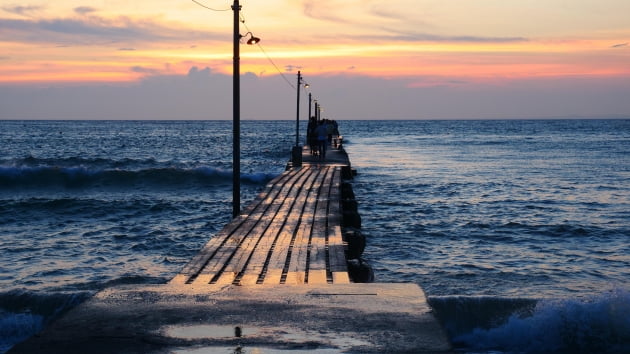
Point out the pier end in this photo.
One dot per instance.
(367, 318)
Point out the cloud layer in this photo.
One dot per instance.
(204, 94)
(87, 29)
(366, 58)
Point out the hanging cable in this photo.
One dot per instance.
(242, 19)
(209, 8)
(267, 55)
(275, 66)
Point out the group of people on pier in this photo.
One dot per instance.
(320, 135)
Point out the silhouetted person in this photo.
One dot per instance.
(311, 135)
(322, 139)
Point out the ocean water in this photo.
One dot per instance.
(518, 231)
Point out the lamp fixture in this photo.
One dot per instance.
(252, 39)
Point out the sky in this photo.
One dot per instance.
(362, 59)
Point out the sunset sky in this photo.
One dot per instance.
(363, 59)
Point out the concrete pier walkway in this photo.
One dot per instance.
(274, 279)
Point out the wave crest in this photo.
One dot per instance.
(24, 313)
(598, 324)
(85, 177)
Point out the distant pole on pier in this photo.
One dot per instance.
(236, 116)
(296, 152)
(297, 114)
(310, 102)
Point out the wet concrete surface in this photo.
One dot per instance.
(335, 318)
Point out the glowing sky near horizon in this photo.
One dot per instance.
(421, 43)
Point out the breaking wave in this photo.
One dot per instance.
(82, 173)
(25, 313)
(598, 324)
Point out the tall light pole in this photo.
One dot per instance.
(297, 114)
(296, 152)
(310, 102)
(236, 116)
(236, 110)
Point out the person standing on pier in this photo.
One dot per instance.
(329, 129)
(311, 134)
(322, 139)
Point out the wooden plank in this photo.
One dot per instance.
(279, 256)
(201, 259)
(241, 255)
(256, 263)
(196, 265)
(290, 234)
(317, 242)
(317, 277)
(337, 259)
(341, 278)
(229, 246)
(336, 247)
(296, 271)
(264, 194)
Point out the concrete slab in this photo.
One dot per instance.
(335, 318)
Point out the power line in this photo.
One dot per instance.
(209, 8)
(258, 44)
(268, 57)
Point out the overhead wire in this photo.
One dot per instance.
(267, 55)
(210, 8)
(242, 19)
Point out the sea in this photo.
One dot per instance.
(518, 231)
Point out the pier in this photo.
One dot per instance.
(277, 277)
(291, 234)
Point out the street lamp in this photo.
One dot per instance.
(300, 81)
(310, 104)
(296, 153)
(236, 110)
(318, 111)
(252, 39)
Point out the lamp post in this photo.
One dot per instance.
(297, 114)
(310, 102)
(296, 153)
(236, 116)
(236, 111)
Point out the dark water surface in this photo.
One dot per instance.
(518, 231)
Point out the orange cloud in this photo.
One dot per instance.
(94, 47)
